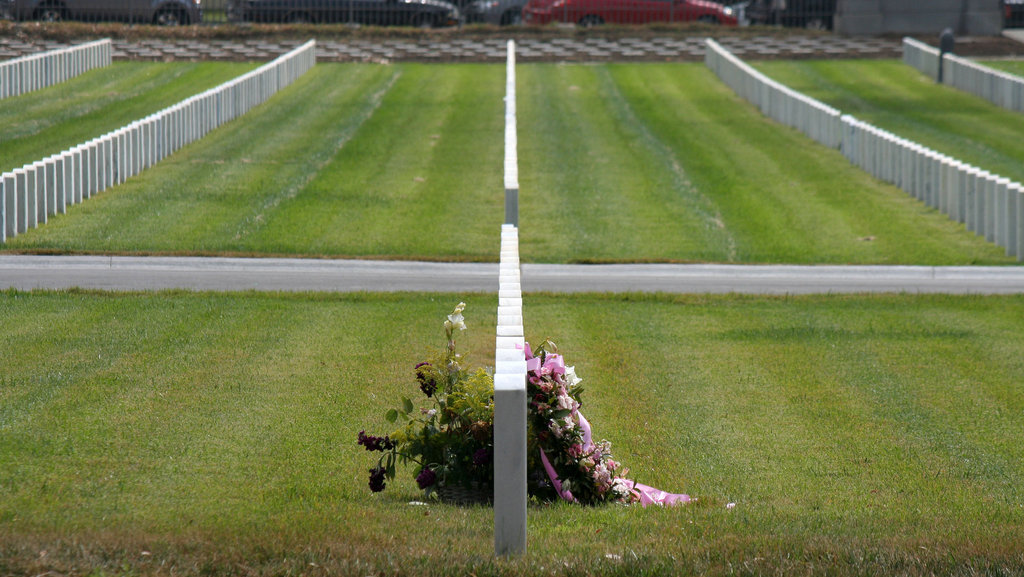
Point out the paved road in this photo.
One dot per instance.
(240, 274)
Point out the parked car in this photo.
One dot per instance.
(501, 12)
(596, 12)
(159, 12)
(423, 13)
(813, 14)
(1014, 13)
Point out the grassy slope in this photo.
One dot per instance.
(216, 433)
(384, 160)
(1011, 66)
(901, 100)
(663, 162)
(34, 126)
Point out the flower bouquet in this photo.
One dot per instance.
(451, 441)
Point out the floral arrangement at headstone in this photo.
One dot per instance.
(450, 442)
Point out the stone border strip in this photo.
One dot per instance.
(987, 204)
(570, 49)
(34, 192)
(36, 71)
(1000, 88)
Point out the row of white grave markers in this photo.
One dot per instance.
(815, 119)
(998, 87)
(34, 192)
(37, 71)
(511, 140)
(987, 204)
(510, 363)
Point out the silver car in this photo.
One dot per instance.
(159, 12)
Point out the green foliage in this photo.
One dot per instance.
(450, 441)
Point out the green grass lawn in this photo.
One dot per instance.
(356, 160)
(618, 163)
(664, 162)
(1011, 66)
(33, 126)
(180, 433)
(900, 99)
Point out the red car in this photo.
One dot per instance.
(595, 12)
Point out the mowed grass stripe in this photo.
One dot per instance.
(594, 186)
(34, 126)
(422, 179)
(783, 197)
(618, 164)
(354, 160)
(863, 434)
(663, 163)
(849, 404)
(214, 195)
(900, 99)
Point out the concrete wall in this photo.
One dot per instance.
(872, 17)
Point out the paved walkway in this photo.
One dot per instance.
(273, 274)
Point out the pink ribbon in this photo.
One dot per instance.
(645, 494)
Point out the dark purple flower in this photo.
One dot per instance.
(428, 384)
(426, 478)
(377, 479)
(375, 443)
(482, 456)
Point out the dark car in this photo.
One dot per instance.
(159, 12)
(814, 14)
(595, 12)
(422, 13)
(1013, 10)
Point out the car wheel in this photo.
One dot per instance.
(170, 17)
(50, 13)
(708, 19)
(512, 17)
(424, 21)
(816, 23)
(590, 20)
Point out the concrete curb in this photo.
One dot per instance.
(25, 272)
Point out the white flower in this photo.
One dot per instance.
(570, 376)
(620, 486)
(456, 320)
(565, 402)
